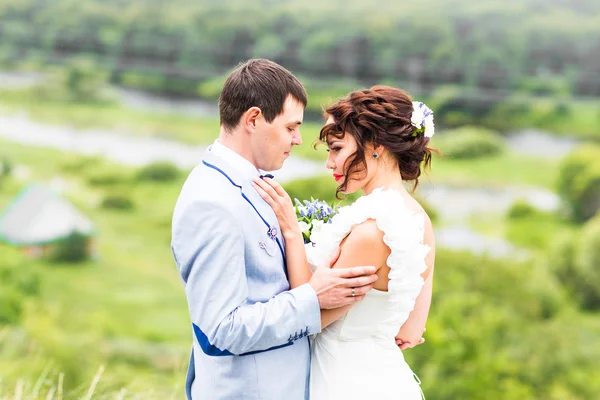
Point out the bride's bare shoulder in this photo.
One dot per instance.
(364, 245)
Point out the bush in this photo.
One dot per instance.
(159, 172)
(574, 259)
(562, 258)
(80, 80)
(78, 164)
(469, 142)
(579, 182)
(117, 202)
(103, 178)
(211, 88)
(5, 167)
(545, 86)
(73, 249)
(11, 306)
(521, 209)
(587, 263)
(16, 285)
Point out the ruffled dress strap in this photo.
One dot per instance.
(403, 231)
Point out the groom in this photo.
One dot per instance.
(250, 330)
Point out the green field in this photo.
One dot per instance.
(126, 311)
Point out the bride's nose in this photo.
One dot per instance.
(330, 164)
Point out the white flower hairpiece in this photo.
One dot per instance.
(422, 119)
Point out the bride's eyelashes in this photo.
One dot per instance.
(335, 149)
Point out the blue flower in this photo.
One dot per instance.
(313, 210)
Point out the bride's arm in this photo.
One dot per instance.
(297, 266)
(296, 263)
(363, 246)
(411, 332)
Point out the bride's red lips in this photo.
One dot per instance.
(337, 177)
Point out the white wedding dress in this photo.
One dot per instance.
(356, 357)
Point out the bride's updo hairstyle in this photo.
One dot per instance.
(380, 115)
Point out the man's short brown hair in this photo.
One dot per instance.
(257, 83)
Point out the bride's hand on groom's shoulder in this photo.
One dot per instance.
(281, 203)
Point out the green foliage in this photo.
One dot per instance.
(486, 318)
(117, 202)
(493, 48)
(80, 80)
(72, 249)
(574, 259)
(545, 86)
(83, 80)
(5, 167)
(17, 284)
(534, 229)
(588, 261)
(158, 172)
(579, 182)
(211, 88)
(520, 209)
(107, 178)
(11, 306)
(469, 142)
(498, 329)
(79, 164)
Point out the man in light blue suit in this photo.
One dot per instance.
(250, 330)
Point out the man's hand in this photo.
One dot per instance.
(341, 287)
(404, 343)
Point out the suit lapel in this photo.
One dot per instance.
(262, 208)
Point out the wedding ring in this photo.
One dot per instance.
(353, 292)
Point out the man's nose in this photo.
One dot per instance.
(297, 138)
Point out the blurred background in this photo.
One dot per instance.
(106, 105)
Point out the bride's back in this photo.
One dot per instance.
(401, 229)
(360, 347)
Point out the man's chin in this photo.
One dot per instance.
(276, 167)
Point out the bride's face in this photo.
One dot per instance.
(340, 157)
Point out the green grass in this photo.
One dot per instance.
(509, 168)
(125, 310)
(535, 232)
(579, 118)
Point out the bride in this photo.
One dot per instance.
(377, 138)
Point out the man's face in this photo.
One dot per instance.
(272, 142)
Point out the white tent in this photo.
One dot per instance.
(39, 216)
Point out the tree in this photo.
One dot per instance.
(579, 182)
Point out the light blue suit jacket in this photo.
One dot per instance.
(250, 331)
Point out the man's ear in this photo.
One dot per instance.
(251, 117)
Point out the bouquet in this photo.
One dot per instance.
(312, 215)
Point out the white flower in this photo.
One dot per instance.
(317, 225)
(422, 116)
(429, 127)
(304, 227)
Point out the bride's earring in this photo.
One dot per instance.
(375, 155)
